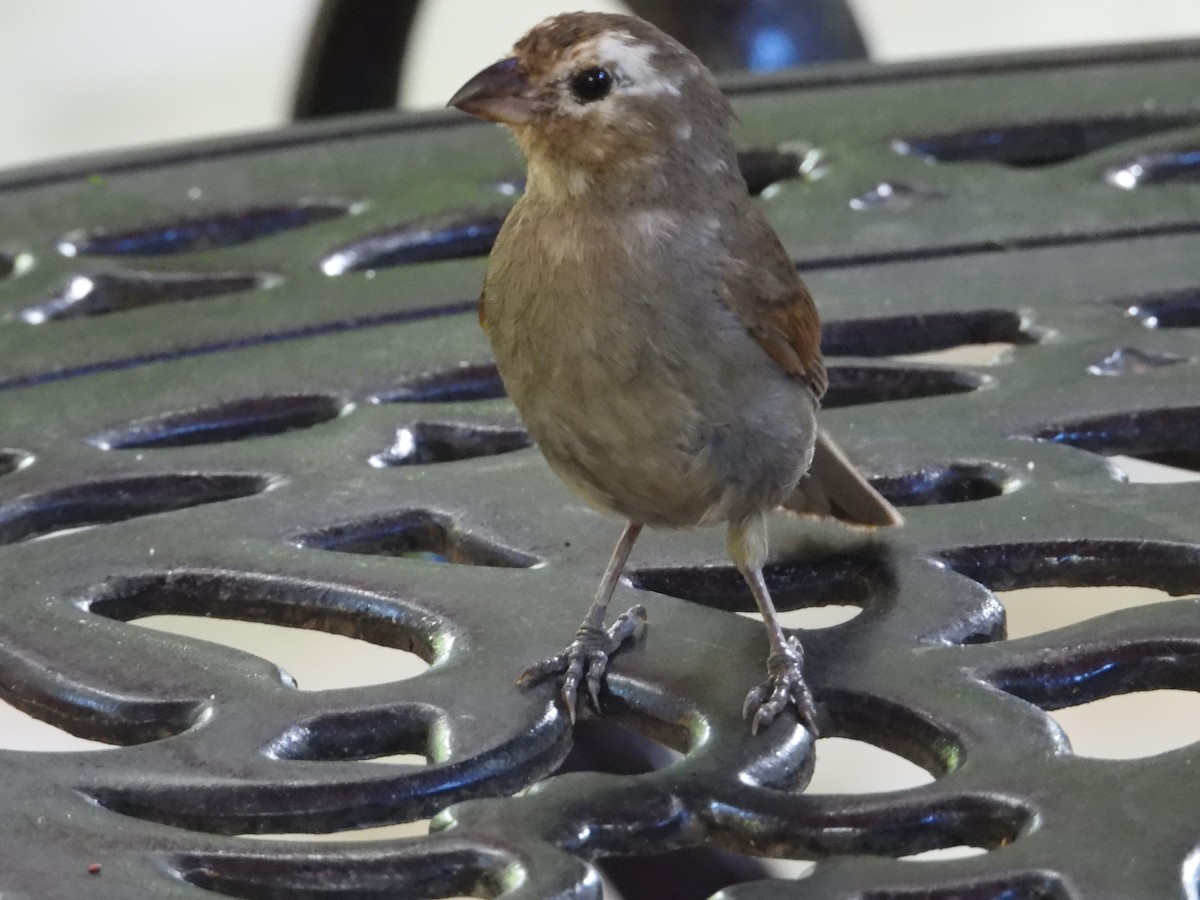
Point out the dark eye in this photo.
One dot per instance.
(591, 84)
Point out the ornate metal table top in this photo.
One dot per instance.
(253, 366)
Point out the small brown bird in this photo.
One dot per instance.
(649, 325)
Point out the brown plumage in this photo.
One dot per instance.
(768, 297)
(648, 323)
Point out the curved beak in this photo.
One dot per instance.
(500, 93)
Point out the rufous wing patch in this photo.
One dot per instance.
(792, 337)
(762, 288)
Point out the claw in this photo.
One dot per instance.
(806, 708)
(570, 684)
(597, 663)
(568, 699)
(630, 624)
(586, 659)
(754, 700)
(542, 668)
(784, 685)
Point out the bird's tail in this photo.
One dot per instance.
(834, 487)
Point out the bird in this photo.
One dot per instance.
(653, 333)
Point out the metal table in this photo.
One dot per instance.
(253, 366)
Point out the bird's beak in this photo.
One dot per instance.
(500, 93)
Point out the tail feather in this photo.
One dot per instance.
(834, 487)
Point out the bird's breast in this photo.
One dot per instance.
(641, 388)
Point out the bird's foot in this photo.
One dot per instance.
(784, 685)
(585, 658)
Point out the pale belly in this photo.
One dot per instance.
(647, 397)
(666, 451)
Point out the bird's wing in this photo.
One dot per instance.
(769, 298)
(833, 486)
(762, 288)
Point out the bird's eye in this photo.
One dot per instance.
(591, 84)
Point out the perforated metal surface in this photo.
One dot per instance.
(296, 447)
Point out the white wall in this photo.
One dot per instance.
(86, 75)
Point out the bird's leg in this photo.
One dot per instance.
(785, 681)
(586, 657)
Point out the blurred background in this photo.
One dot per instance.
(83, 76)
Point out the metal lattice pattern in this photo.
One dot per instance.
(254, 367)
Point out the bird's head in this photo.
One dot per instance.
(593, 96)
